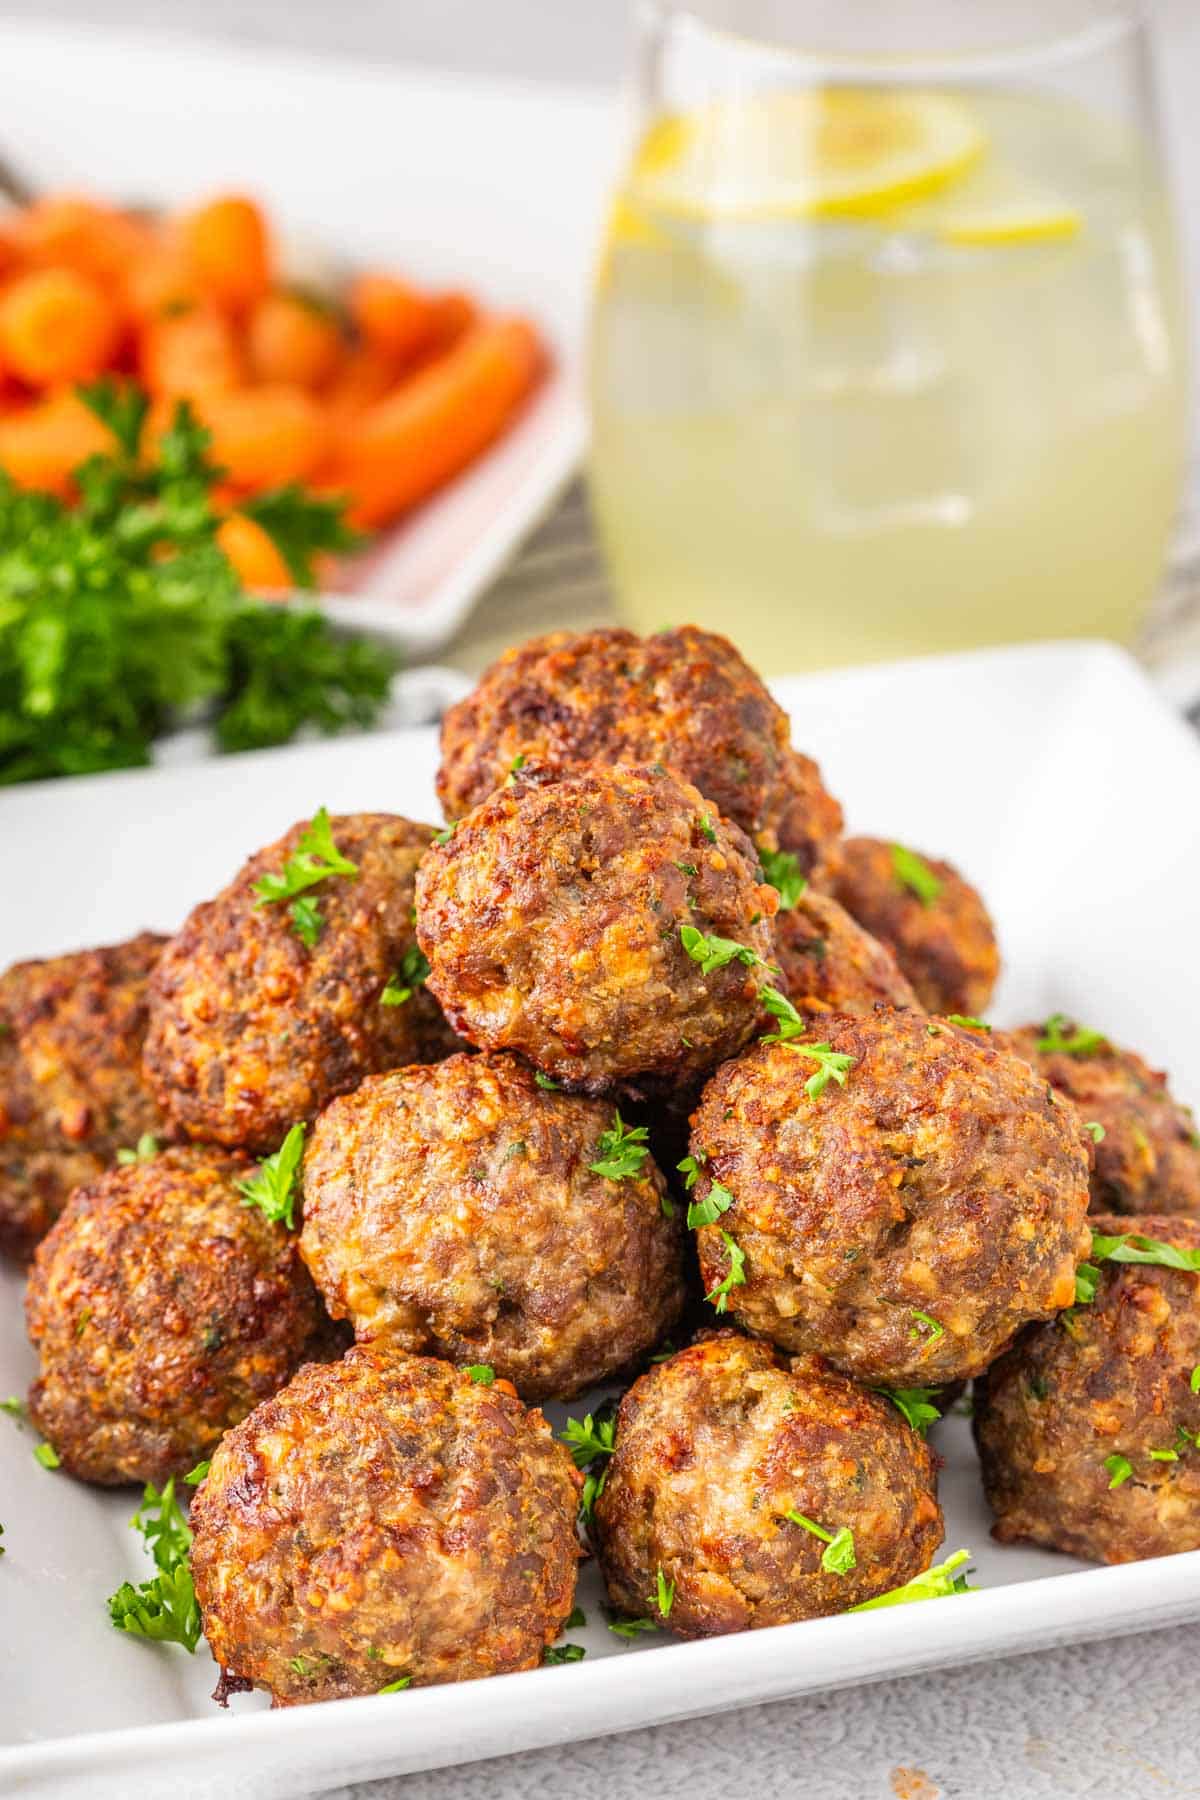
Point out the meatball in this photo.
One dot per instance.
(71, 1086)
(555, 919)
(455, 1209)
(1148, 1159)
(904, 1225)
(162, 1310)
(384, 1519)
(933, 921)
(1088, 1427)
(683, 697)
(260, 1013)
(828, 963)
(715, 1448)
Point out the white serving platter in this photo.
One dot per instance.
(1059, 781)
(459, 180)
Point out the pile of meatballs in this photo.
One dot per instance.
(636, 1074)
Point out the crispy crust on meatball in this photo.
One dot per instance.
(552, 918)
(715, 1447)
(906, 1224)
(252, 1030)
(828, 963)
(71, 1086)
(1112, 1379)
(452, 1210)
(683, 697)
(162, 1310)
(1149, 1157)
(946, 947)
(384, 1517)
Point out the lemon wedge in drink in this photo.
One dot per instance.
(825, 152)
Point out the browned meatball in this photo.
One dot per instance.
(905, 1224)
(162, 1310)
(253, 1028)
(828, 963)
(715, 1448)
(683, 697)
(1148, 1159)
(454, 1210)
(1089, 1427)
(71, 1086)
(384, 1519)
(933, 921)
(552, 920)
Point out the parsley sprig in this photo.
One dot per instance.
(916, 1403)
(621, 1151)
(735, 1275)
(273, 1188)
(832, 1065)
(164, 1608)
(715, 1203)
(838, 1556)
(915, 874)
(592, 1441)
(713, 952)
(315, 858)
(1061, 1036)
(782, 869)
(414, 967)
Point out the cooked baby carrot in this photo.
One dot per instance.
(291, 337)
(253, 554)
(405, 447)
(452, 316)
(366, 377)
(391, 316)
(65, 231)
(41, 445)
(192, 352)
(264, 436)
(160, 284)
(55, 326)
(228, 247)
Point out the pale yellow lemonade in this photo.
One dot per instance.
(874, 375)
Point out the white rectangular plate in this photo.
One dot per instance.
(1060, 783)
(458, 180)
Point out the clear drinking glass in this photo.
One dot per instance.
(888, 345)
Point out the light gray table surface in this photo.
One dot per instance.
(1116, 1718)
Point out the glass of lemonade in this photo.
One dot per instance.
(887, 349)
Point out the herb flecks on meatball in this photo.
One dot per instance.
(162, 1310)
(463, 1211)
(1089, 1427)
(284, 990)
(683, 697)
(934, 922)
(905, 1223)
(764, 1489)
(384, 1521)
(557, 919)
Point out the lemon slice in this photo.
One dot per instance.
(1027, 220)
(823, 152)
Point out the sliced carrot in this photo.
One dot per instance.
(253, 554)
(66, 231)
(56, 326)
(293, 338)
(41, 445)
(408, 445)
(227, 245)
(391, 316)
(191, 353)
(266, 435)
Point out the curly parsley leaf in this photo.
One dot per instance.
(621, 1151)
(592, 1441)
(735, 1275)
(164, 1608)
(1062, 1037)
(302, 526)
(414, 967)
(782, 869)
(915, 874)
(935, 1584)
(916, 1404)
(273, 1188)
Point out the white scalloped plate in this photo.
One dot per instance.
(1059, 781)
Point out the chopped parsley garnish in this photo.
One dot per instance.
(48, 1456)
(782, 869)
(735, 1276)
(916, 1404)
(482, 1374)
(195, 1476)
(14, 1408)
(145, 1150)
(563, 1653)
(718, 1200)
(1132, 1247)
(1062, 1037)
(924, 1326)
(518, 762)
(1194, 1379)
(414, 967)
(631, 1628)
(687, 868)
(443, 837)
(307, 921)
(1164, 1455)
(706, 828)
(833, 1065)
(915, 874)
(838, 1556)
(713, 952)
(1097, 1131)
(273, 1188)
(935, 1584)
(315, 858)
(397, 1686)
(690, 1168)
(592, 1441)
(1119, 1468)
(545, 1082)
(663, 1596)
(576, 1617)
(621, 1151)
(164, 1608)
(968, 1020)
